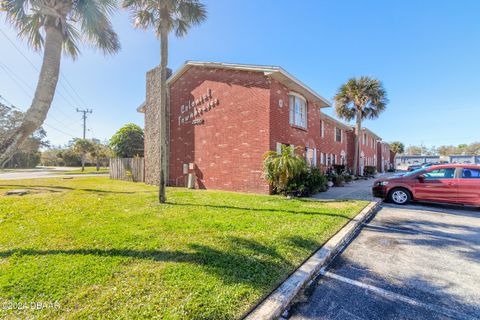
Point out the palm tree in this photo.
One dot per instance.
(397, 147)
(280, 168)
(165, 16)
(359, 99)
(53, 25)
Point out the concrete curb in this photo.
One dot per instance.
(274, 304)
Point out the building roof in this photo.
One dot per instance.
(274, 72)
(369, 132)
(341, 124)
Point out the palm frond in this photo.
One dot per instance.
(93, 17)
(70, 46)
(180, 15)
(365, 95)
(30, 30)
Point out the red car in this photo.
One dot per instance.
(448, 183)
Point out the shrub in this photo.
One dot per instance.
(307, 183)
(339, 169)
(369, 171)
(348, 178)
(315, 181)
(338, 180)
(289, 174)
(283, 171)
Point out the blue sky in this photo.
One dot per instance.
(427, 53)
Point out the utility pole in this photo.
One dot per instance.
(84, 117)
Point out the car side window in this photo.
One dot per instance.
(446, 173)
(471, 174)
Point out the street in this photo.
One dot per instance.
(41, 172)
(409, 262)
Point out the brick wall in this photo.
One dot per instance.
(223, 121)
(369, 149)
(329, 145)
(280, 129)
(227, 149)
(383, 156)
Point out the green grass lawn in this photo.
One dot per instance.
(106, 249)
(88, 170)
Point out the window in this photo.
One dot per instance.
(364, 138)
(338, 135)
(322, 129)
(311, 156)
(298, 111)
(471, 174)
(447, 173)
(322, 158)
(334, 159)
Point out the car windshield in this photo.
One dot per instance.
(411, 173)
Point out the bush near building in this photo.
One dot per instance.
(370, 171)
(289, 174)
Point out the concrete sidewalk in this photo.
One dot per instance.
(359, 190)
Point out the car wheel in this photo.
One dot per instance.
(399, 196)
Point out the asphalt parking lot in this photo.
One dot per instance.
(409, 262)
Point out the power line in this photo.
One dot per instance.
(61, 74)
(10, 73)
(14, 80)
(61, 131)
(15, 46)
(46, 124)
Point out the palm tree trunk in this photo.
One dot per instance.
(47, 83)
(358, 132)
(163, 103)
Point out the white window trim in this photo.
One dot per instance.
(322, 123)
(292, 121)
(335, 134)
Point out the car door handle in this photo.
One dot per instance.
(452, 184)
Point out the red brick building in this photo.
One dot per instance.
(224, 117)
(384, 161)
(334, 140)
(368, 149)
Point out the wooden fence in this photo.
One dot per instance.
(130, 169)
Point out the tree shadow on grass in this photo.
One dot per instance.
(241, 260)
(271, 210)
(63, 189)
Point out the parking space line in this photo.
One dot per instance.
(396, 297)
(410, 231)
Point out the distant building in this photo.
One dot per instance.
(467, 159)
(402, 161)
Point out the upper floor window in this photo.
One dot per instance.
(338, 135)
(364, 138)
(298, 111)
(322, 129)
